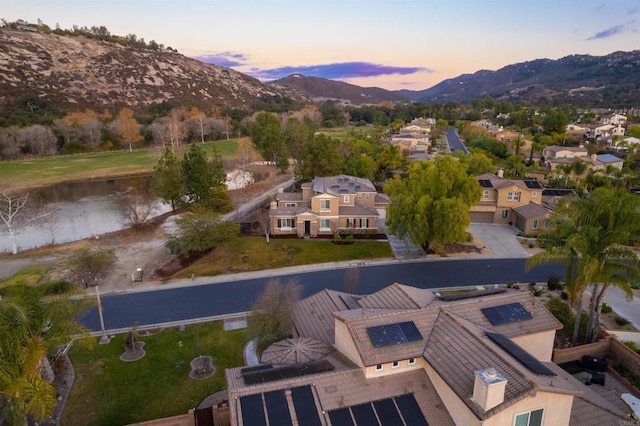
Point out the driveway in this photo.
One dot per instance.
(500, 239)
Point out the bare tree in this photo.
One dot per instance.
(160, 131)
(91, 130)
(271, 315)
(10, 143)
(16, 212)
(88, 264)
(65, 129)
(264, 222)
(39, 139)
(137, 207)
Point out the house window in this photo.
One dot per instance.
(534, 194)
(346, 198)
(290, 204)
(325, 204)
(412, 361)
(379, 367)
(364, 223)
(325, 224)
(546, 224)
(359, 196)
(351, 223)
(285, 223)
(535, 224)
(367, 195)
(513, 196)
(486, 194)
(532, 418)
(504, 213)
(395, 364)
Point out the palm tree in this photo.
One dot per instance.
(578, 167)
(34, 321)
(589, 240)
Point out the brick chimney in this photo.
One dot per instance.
(488, 388)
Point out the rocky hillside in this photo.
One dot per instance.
(611, 80)
(321, 89)
(76, 72)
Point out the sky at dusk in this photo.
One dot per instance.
(393, 44)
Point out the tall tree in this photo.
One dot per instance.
(34, 321)
(593, 235)
(477, 162)
(431, 205)
(201, 230)
(266, 132)
(127, 128)
(205, 180)
(320, 157)
(167, 180)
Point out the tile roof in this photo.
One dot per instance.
(397, 296)
(470, 309)
(358, 209)
(349, 387)
(531, 210)
(370, 355)
(313, 315)
(289, 196)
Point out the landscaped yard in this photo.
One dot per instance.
(39, 171)
(108, 391)
(254, 254)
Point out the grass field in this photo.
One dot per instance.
(108, 391)
(254, 254)
(42, 171)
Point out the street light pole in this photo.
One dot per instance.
(104, 339)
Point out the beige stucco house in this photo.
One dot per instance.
(328, 205)
(403, 356)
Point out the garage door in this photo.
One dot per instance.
(481, 217)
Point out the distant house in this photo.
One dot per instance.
(328, 205)
(555, 152)
(403, 356)
(615, 119)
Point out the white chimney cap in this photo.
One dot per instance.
(490, 376)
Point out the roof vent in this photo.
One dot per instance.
(488, 388)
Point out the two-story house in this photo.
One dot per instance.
(404, 356)
(511, 201)
(328, 205)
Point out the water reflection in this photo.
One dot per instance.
(79, 210)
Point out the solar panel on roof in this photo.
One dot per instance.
(305, 406)
(485, 183)
(524, 357)
(287, 371)
(277, 408)
(252, 410)
(255, 368)
(341, 417)
(410, 410)
(387, 412)
(506, 314)
(393, 334)
(556, 192)
(532, 184)
(364, 414)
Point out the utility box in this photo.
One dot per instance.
(137, 276)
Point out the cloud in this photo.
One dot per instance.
(607, 33)
(223, 59)
(340, 70)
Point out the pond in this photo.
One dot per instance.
(79, 210)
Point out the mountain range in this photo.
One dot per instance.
(77, 72)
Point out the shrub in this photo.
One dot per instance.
(606, 308)
(58, 287)
(562, 311)
(553, 283)
(622, 321)
(564, 295)
(632, 345)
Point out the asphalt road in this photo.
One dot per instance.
(186, 303)
(455, 143)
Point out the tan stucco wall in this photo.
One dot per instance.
(458, 410)
(540, 345)
(344, 343)
(373, 222)
(557, 410)
(525, 196)
(333, 205)
(387, 368)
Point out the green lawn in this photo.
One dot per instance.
(108, 391)
(28, 173)
(254, 254)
